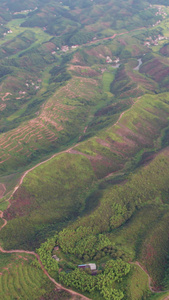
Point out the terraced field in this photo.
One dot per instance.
(114, 151)
(67, 114)
(87, 84)
(134, 132)
(19, 279)
(50, 120)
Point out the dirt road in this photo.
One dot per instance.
(59, 286)
(150, 280)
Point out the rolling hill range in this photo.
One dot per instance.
(84, 157)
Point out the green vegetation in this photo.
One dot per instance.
(45, 253)
(69, 78)
(137, 284)
(48, 207)
(107, 80)
(113, 271)
(20, 279)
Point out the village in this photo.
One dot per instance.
(150, 41)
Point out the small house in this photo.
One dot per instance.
(82, 266)
(85, 266)
(55, 257)
(92, 267)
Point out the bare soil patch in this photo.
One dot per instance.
(4, 97)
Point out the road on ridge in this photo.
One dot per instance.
(59, 286)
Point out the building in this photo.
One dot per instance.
(85, 266)
(92, 267)
(55, 257)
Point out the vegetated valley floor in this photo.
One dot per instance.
(84, 109)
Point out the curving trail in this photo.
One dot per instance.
(23, 176)
(65, 151)
(138, 98)
(149, 280)
(113, 36)
(59, 286)
(5, 221)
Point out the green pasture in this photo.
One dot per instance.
(14, 25)
(137, 284)
(107, 80)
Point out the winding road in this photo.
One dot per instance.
(150, 280)
(59, 286)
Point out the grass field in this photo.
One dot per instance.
(137, 284)
(107, 80)
(13, 25)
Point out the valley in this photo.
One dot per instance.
(84, 149)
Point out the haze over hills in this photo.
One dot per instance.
(84, 157)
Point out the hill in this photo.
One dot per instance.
(84, 109)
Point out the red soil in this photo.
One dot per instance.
(156, 69)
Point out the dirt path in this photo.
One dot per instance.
(65, 151)
(25, 173)
(113, 36)
(69, 150)
(4, 97)
(126, 111)
(59, 286)
(5, 221)
(149, 280)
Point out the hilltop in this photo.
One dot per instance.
(84, 109)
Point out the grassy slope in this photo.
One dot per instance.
(40, 207)
(44, 204)
(53, 126)
(137, 129)
(108, 152)
(99, 160)
(141, 223)
(21, 280)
